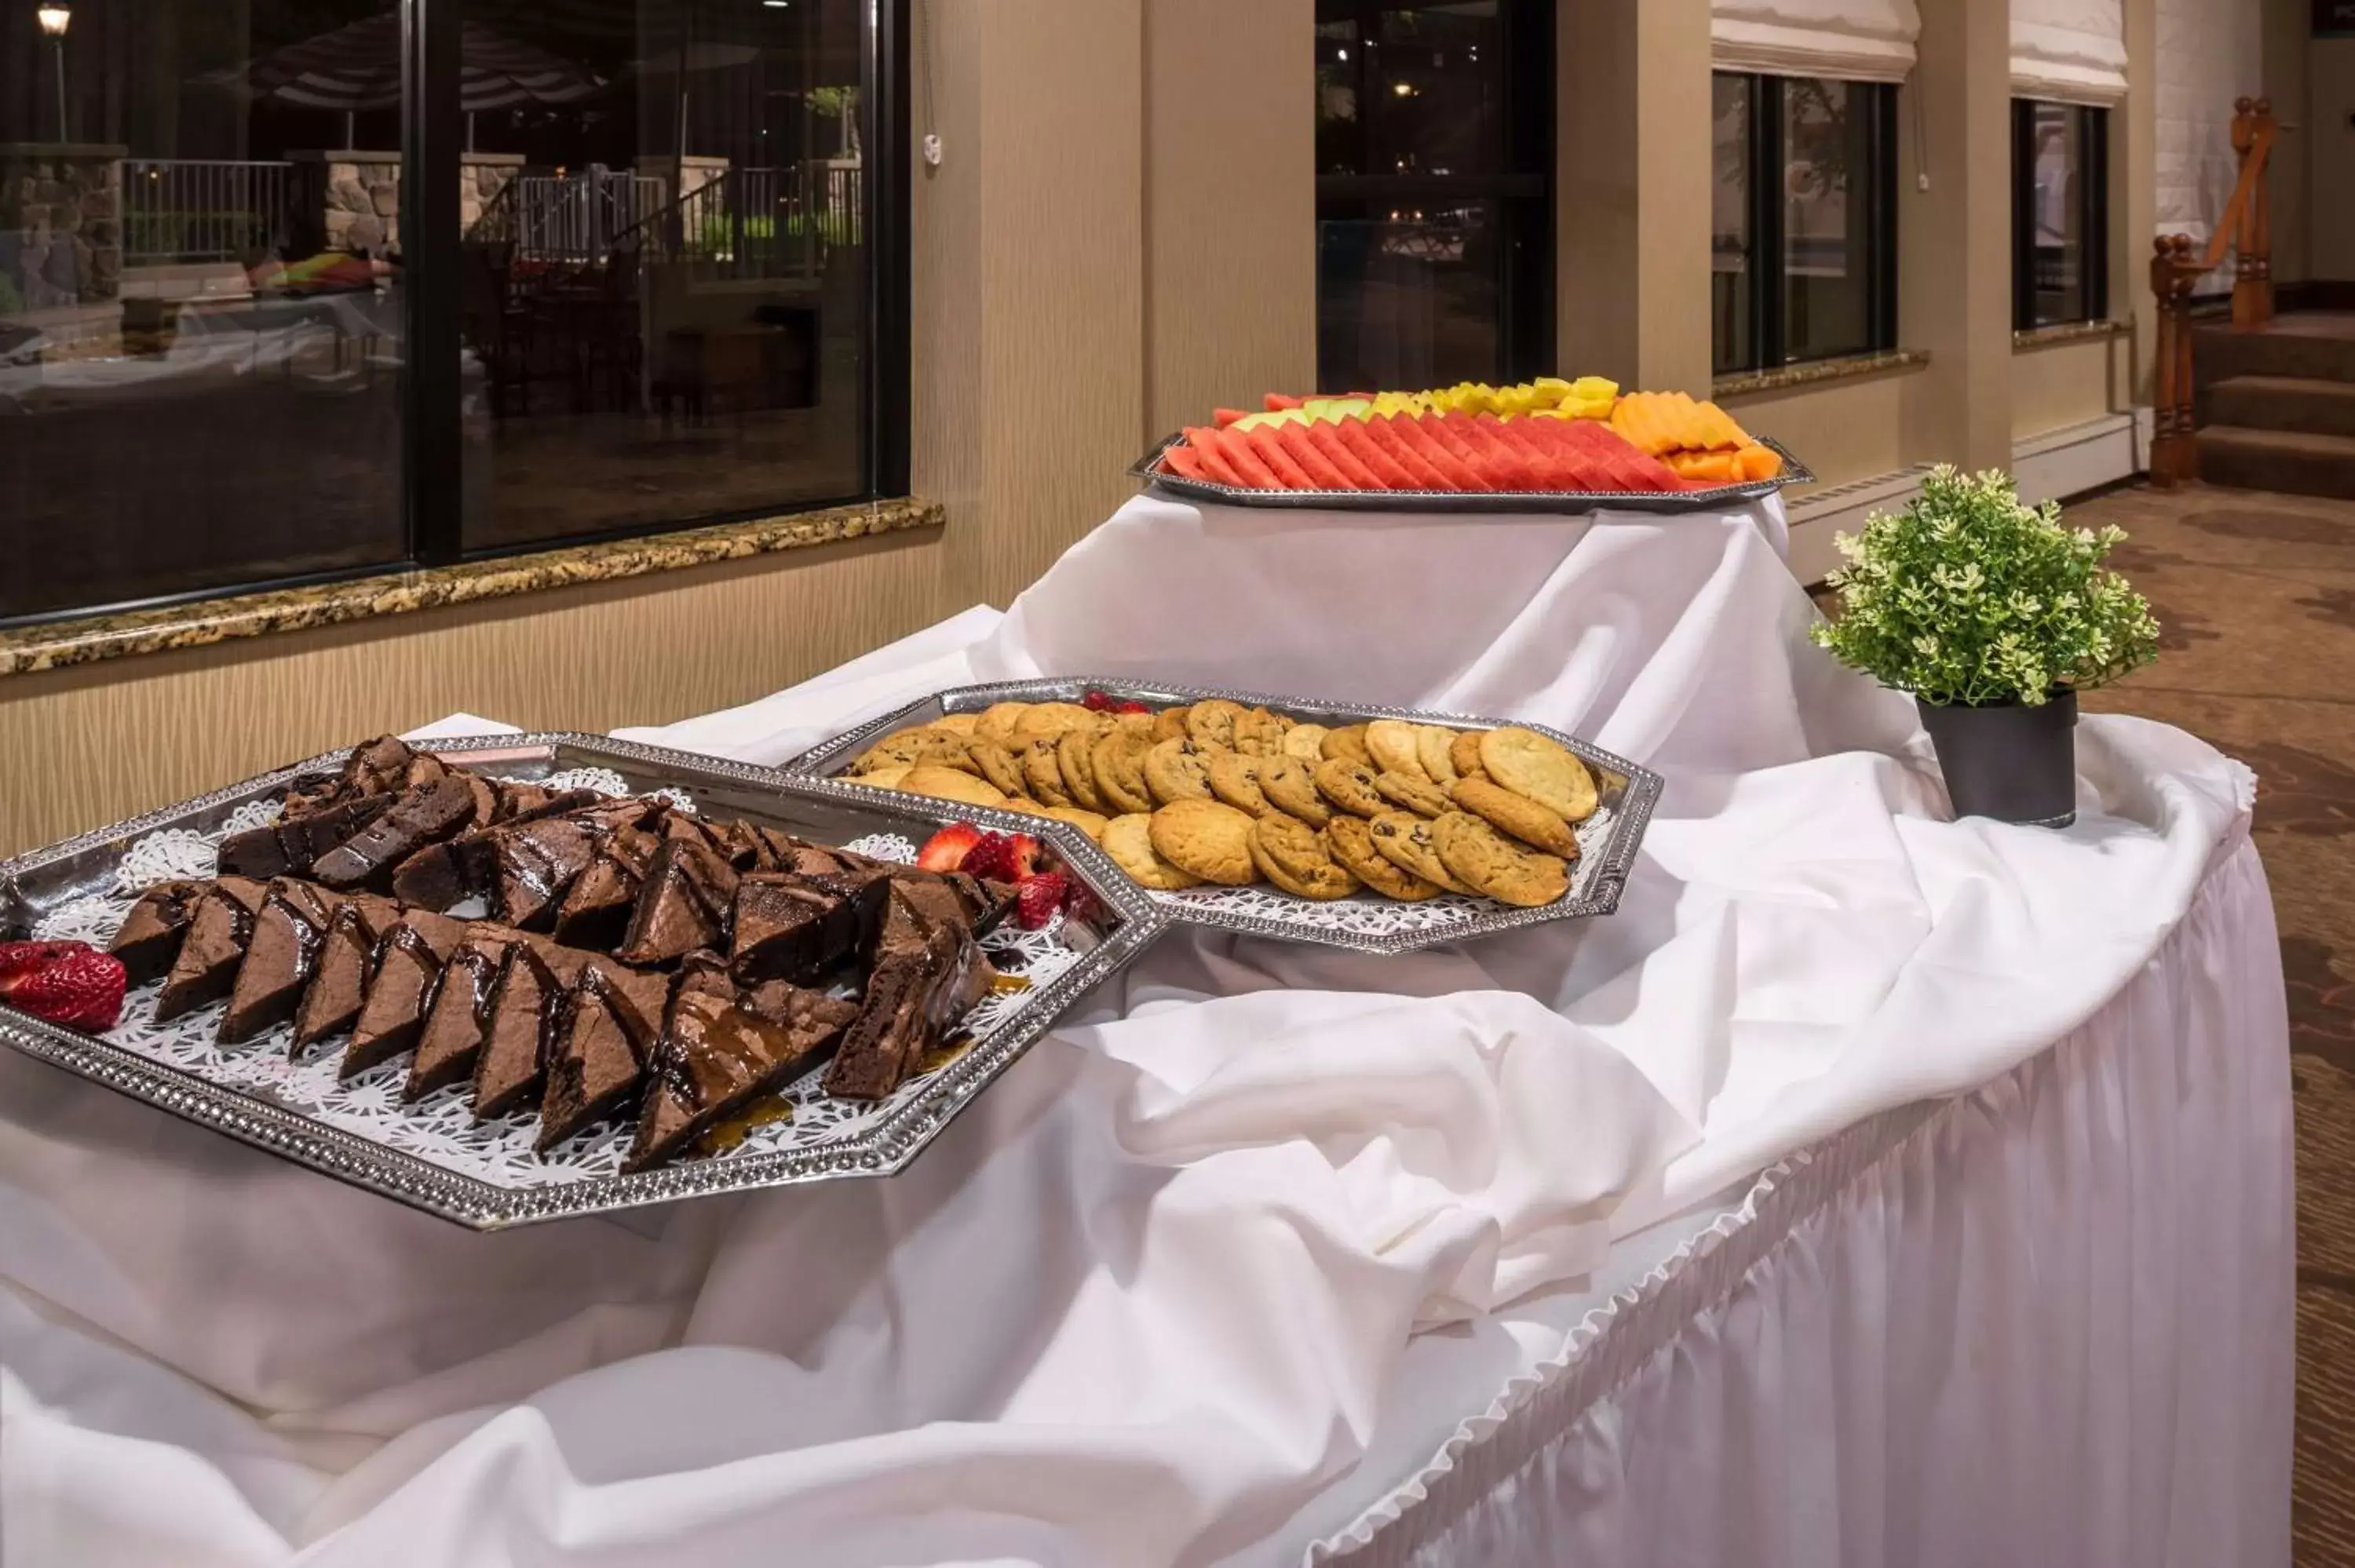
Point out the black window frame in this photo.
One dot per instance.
(2092, 212)
(1768, 275)
(1524, 198)
(432, 450)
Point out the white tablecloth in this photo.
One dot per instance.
(1180, 1285)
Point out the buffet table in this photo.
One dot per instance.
(1871, 1188)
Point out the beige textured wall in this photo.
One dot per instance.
(2330, 85)
(1954, 238)
(1633, 169)
(2288, 48)
(1851, 430)
(1230, 200)
(2064, 383)
(83, 747)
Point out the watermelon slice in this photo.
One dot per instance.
(1277, 400)
(1546, 470)
(1184, 461)
(1215, 466)
(1412, 432)
(1270, 452)
(1360, 444)
(1448, 430)
(1422, 474)
(1503, 463)
(1225, 417)
(1355, 475)
(1309, 455)
(1237, 450)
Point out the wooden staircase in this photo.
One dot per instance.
(2275, 407)
(2266, 402)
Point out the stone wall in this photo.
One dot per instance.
(60, 224)
(350, 201)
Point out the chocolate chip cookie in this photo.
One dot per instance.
(1234, 779)
(1074, 751)
(1404, 839)
(1528, 764)
(1290, 786)
(1129, 840)
(1350, 786)
(1178, 771)
(1352, 843)
(1485, 859)
(1518, 815)
(1208, 839)
(1416, 793)
(1293, 855)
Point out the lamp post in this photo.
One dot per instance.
(54, 19)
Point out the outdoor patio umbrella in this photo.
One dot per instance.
(358, 68)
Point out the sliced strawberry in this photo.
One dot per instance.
(1040, 900)
(1003, 857)
(80, 989)
(946, 850)
(1096, 701)
(1132, 707)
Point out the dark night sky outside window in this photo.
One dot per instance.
(1434, 132)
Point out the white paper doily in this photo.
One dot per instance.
(441, 1128)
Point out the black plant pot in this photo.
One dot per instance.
(2008, 760)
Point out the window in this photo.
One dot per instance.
(290, 290)
(2060, 175)
(1434, 152)
(1804, 236)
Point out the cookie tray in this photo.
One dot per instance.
(433, 1155)
(1368, 923)
(1149, 470)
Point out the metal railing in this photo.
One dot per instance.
(758, 222)
(577, 218)
(204, 209)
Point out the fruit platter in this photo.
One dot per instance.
(527, 977)
(1373, 829)
(1547, 445)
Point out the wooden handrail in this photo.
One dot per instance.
(2246, 227)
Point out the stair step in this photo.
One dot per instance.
(2311, 345)
(2292, 462)
(2282, 403)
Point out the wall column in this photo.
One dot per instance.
(1230, 206)
(1632, 181)
(2133, 193)
(1955, 238)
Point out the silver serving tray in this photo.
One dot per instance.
(1368, 924)
(1149, 470)
(430, 1156)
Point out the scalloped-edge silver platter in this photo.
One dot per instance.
(431, 1156)
(1368, 923)
(1149, 470)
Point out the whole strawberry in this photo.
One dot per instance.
(80, 988)
(22, 958)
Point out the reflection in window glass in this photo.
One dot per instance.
(1407, 301)
(2057, 214)
(1827, 220)
(200, 297)
(1732, 331)
(664, 280)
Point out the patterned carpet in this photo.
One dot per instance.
(2256, 596)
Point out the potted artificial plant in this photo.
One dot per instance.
(1995, 617)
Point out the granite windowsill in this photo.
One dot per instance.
(2068, 331)
(57, 644)
(1817, 373)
